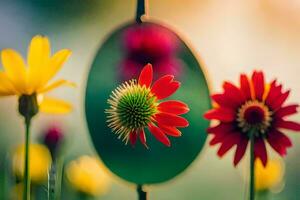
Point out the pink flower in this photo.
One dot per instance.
(149, 43)
(53, 139)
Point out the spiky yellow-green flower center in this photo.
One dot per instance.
(132, 107)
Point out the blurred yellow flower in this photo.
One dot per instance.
(40, 161)
(88, 175)
(21, 79)
(270, 176)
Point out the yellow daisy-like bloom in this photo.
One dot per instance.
(40, 161)
(88, 176)
(270, 176)
(32, 78)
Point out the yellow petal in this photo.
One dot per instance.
(6, 88)
(55, 106)
(15, 68)
(40, 161)
(38, 58)
(57, 84)
(269, 176)
(55, 64)
(88, 175)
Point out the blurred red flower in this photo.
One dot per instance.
(149, 43)
(53, 139)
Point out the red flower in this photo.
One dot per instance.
(136, 105)
(151, 40)
(131, 68)
(53, 139)
(149, 43)
(253, 108)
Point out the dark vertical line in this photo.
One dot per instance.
(140, 10)
(141, 193)
(252, 170)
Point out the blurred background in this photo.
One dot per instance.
(230, 36)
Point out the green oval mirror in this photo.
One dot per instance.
(158, 163)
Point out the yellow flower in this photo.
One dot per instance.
(87, 175)
(40, 161)
(270, 176)
(32, 78)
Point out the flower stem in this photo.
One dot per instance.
(252, 169)
(264, 195)
(142, 194)
(55, 179)
(26, 180)
(140, 10)
(59, 167)
(52, 181)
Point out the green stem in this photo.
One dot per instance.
(26, 180)
(141, 193)
(59, 168)
(263, 195)
(2, 179)
(252, 169)
(83, 196)
(52, 181)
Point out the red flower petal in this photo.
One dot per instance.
(228, 143)
(146, 76)
(169, 130)
(288, 125)
(218, 138)
(286, 111)
(222, 127)
(245, 86)
(279, 142)
(165, 87)
(142, 137)
(240, 150)
(159, 135)
(132, 138)
(260, 151)
(278, 101)
(222, 114)
(173, 107)
(281, 138)
(220, 132)
(223, 101)
(258, 84)
(167, 119)
(274, 92)
(233, 94)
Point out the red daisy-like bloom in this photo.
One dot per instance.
(252, 108)
(136, 105)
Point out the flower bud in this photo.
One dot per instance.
(53, 139)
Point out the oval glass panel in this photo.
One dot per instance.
(158, 163)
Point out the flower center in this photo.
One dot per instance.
(131, 108)
(254, 115)
(136, 107)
